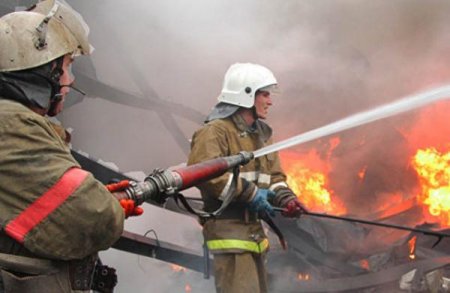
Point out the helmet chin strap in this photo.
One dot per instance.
(255, 115)
(58, 97)
(74, 88)
(55, 76)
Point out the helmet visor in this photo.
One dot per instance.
(273, 89)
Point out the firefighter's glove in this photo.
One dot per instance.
(130, 208)
(260, 202)
(294, 209)
(115, 186)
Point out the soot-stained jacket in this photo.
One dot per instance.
(48, 204)
(237, 229)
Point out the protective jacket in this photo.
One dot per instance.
(50, 208)
(237, 229)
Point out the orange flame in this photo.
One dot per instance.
(307, 177)
(364, 263)
(412, 247)
(433, 169)
(362, 173)
(304, 277)
(187, 288)
(177, 268)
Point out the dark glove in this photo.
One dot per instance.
(128, 205)
(293, 209)
(260, 202)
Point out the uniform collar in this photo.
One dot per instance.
(259, 127)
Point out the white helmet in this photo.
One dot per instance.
(241, 82)
(32, 38)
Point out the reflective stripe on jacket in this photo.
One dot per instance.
(72, 223)
(229, 244)
(225, 137)
(29, 218)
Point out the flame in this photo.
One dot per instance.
(333, 143)
(304, 277)
(187, 288)
(177, 268)
(364, 263)
(412, 247)
(433, 169)
(362, 173)
(307, 177)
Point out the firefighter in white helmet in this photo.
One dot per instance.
(236, 237)
(54, 216)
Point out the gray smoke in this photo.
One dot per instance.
(332, 58)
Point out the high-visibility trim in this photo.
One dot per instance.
(264, 179)
(20, 226)
(279, 184)
(224, 244)
(256, 176)
(249, 176)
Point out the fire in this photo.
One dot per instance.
(433, 169)
(362, 173)
(177, 268)
(364, 263)
(307, 177)
(187, 288)
(304, 277)
(412, 247)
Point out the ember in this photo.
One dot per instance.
(177, 268)
(412, 247)
(364, 263)
(303, 277)
(362, 173)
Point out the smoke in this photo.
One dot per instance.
(332, 58)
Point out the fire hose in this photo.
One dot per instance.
(161, 184)
(439, 235)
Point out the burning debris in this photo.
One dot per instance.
(403, 179)
(433, 169)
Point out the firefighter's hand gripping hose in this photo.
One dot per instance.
(294, 209)
(161, 184)
(128, 205)
(260, 202)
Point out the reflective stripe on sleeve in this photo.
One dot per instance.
(279, 184)
(264, 179)
(225, 244)
(20, 226)
(256, 177)
(249, 176)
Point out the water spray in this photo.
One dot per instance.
(406, 104)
